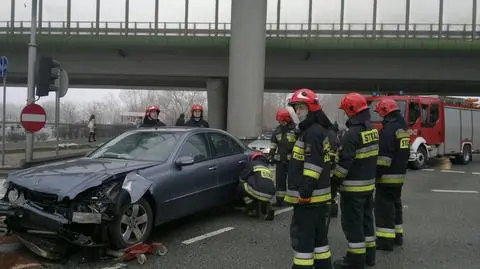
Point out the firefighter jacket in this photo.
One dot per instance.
(309, 169)
(356, 167)
(335, 142)
(257, 180)
(282, 141)
(149, 122)
(197, 123)
(394, 151)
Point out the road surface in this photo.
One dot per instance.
(442, 230)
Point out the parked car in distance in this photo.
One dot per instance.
(118, 193)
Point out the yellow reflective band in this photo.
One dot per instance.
(357, 250)
(382, 162)
(280, 194)
(367, 154)
(370, 244)
(265, 172)
(390, 181)
(299, 157)
(314, 199)
(399, 230)
(298, 150)
(310, 173)
(273, 145)
(385, 232)
(369, 136)
(303, 262)
(291, 138)
(257, 195)
(322, 256)
(400, 133)
(358, 188)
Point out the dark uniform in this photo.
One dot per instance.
(391, 169)
(308, 177)
(355, 172)
(257, 184)
(282, 141)
(197, 123)
(149, 122)
(335, 142)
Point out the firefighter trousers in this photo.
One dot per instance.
(308, 235)
(281, 171)
(358, 226)
(388, 216)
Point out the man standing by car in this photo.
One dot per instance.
(309, 184)
(196, 120)
(391, 169)
(282, 141)
(355, 173)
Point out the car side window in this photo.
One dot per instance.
(195, 147)
(224, 145)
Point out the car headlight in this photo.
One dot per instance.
(3, 188)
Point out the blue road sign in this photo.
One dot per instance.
(3, 66)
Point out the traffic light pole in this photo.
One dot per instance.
(32, 56)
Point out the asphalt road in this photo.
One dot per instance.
(442, 230)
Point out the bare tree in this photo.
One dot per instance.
(49, 107)
(69, 113)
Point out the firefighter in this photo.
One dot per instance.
(335, 142)
(355, 175)
(151, 117)
(309, 184)
(391, 169)
(282, 141)
(196, 120)
(256, 182)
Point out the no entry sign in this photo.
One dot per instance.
(33, 118)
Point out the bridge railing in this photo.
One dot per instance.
(299, 30)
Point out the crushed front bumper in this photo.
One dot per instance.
(26, 219)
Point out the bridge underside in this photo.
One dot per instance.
(119, 81)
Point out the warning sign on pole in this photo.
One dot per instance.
(33, 118)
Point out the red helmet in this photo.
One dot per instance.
(152, 108)
(353, 103)
(386, 106)
(306, 96)
(197, 107)
(256, 154)
(283, 115)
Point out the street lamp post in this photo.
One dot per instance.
(32, 56)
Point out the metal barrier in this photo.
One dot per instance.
(296, 30)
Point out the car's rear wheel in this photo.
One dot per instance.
(132, 225)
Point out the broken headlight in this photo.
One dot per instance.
(3, 188)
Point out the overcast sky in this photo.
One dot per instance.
(293, 11)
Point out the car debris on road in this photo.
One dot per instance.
(139, 252)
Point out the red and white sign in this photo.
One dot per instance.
(33, 118)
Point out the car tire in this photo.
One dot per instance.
(135, 219)
(422, 159)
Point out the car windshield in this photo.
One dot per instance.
(140, 146)
(374, 115)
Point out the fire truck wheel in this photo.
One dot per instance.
(466, 157)
(421, 160)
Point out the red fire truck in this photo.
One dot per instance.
(439, 126)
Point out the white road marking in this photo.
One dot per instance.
(24, 266)
(452, 171)
(475, 173)
(455, 191)
(428, 170)
(283, 210)
(207, 235)
(116, 266)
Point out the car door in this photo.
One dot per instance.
(190, 187)
(231, 159)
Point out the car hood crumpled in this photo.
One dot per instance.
(69, 178)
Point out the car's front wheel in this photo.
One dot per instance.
(132, 225)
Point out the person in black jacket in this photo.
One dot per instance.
(256, 182)
(282, 141)
(151, 117)
(196, 120)
(180, 120)
(308, 182)
(391, 170)
(355, 173)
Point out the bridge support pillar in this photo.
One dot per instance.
(217, 103)
(246, 68)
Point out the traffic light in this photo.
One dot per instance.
(47, 74)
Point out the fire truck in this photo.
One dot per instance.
(438, 126)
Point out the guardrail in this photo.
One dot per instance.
(298, 30)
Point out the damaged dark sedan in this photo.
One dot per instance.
(116, 195)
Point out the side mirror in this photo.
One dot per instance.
(184, 160)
